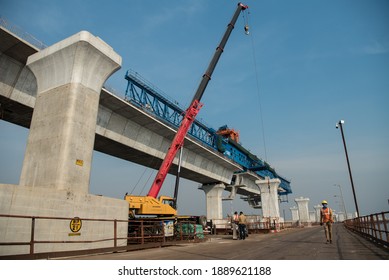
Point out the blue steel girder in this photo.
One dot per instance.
(144, 95)
(141, 97)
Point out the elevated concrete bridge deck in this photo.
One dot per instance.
(123, 130)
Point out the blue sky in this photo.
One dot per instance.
(306, 63)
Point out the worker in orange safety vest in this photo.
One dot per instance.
(326, 219)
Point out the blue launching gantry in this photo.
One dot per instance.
(143, 94)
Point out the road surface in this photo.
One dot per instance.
(292, 244)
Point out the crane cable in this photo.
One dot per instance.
(136, 185)
(141, 176)
(246, 28)
(147, 181)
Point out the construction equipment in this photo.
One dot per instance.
(150, 205)
(228, 133)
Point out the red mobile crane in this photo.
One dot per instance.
(150, 205)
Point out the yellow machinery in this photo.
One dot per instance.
(148, 205)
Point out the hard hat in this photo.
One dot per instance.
(324, 202)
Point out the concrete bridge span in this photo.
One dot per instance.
(123, 130)
(126, 131)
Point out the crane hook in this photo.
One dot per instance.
(246, 29)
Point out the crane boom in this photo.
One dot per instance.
(193, 109)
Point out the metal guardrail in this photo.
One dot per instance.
(22, 34)
(224, 226)
(151, 233)
(141, 234)
(373, 227)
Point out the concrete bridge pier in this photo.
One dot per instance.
(302, 205)
(269, 198)
(213, 193)
(312, 216)
(317, 212)
(56, 170)
(295, 213)
(341, 217)
(69, 76)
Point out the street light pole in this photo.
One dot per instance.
(341, 195)
(339, 124)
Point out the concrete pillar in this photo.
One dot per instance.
(302, 205)
(269, 197)
(56, 169)
(317, 213)
(312, 216)
(295, 213)
(335, 216)
(341, 217)
(69, 76)
(214, 201)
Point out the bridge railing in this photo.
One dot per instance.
(254, 225)
(31, 237)
(373, 227)
(22, 34)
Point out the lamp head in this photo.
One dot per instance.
(339, 123)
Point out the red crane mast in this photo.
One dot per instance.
(193, 109)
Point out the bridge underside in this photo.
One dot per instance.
(17, 113)
(126, 131)
(13, 111)
(123, 130)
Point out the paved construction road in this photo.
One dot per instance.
(292, 244)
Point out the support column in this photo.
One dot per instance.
(69, 76)
(312, 216)
(341, 217)
(295, 213)
(269, 197)
(302, 205)
(317, 213)
(56, 168)
(214, 201)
